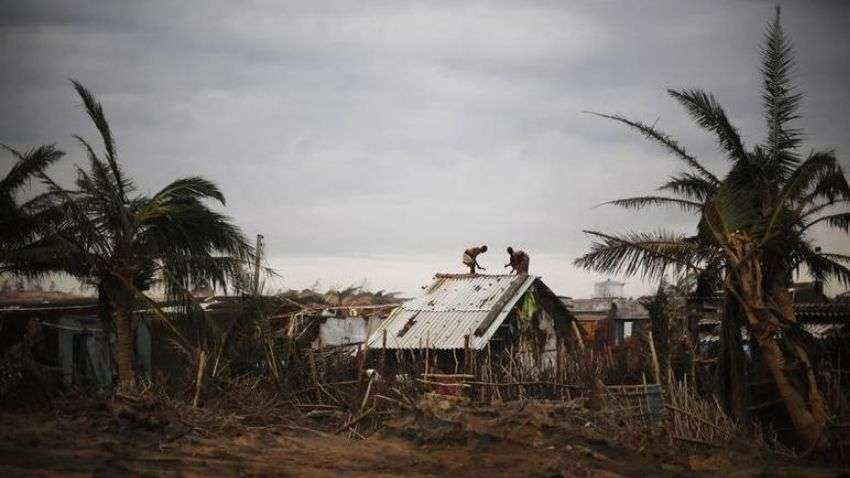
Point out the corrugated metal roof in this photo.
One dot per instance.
(627, 309)
(822, 331)
(823, 311)
(452, 307)
(818, 331)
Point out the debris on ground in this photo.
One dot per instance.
(149, 435)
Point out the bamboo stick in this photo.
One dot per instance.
(199, 381)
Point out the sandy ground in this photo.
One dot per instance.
(488, 443)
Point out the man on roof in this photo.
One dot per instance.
(518, 262)
(470, 258)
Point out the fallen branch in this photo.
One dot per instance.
(697, 442)
(442, 384)
(353, 422)
(305, 429)
(698, 418)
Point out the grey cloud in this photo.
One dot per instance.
(407, 130)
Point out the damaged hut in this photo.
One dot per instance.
(460, 315)
(348, 327)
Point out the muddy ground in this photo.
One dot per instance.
(519, 439)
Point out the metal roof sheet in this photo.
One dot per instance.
(837, 311)
(821, 331)
(818, 331)
(453, 307)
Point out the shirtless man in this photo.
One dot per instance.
(470, 258)
(519, 261)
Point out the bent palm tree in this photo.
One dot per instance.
(123, 242)
(754, 224)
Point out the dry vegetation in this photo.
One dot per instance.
(323, 413)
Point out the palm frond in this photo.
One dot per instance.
(641, 202)
(705, 109)
(192, 187)
(831, 186)
(95, 112)
(818, 177)
(27, 166)
(812, 209)
(22, 223)
(189, 226)
(665, 140)
(87, 233)
(840, 258)
(649, 255)
(839, 221)
(690, 186)
(822, 266)
(180, 272)
(43, 256)
(778, 95)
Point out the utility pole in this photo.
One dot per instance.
(258, 250)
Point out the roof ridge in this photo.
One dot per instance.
(445, 275)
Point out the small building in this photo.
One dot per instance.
(461, 313)
(348, 326)
(607, 320)
(86, 350)
(65, 335)
(590, 315)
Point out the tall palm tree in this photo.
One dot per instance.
(123, 242)
(754, 225)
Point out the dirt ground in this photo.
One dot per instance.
(513, 440)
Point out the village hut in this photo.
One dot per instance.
(52, 332)
(468, 313)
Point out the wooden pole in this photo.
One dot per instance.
(558, 351)
(427, 354)
(466, 358)
(259, 253)
(202, 359)
(384, 354)
(314, 374)
(578, 335)
(656, 370)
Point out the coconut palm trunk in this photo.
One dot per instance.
(731, 369)
(770, 316)
(124, 347)
(120, 302)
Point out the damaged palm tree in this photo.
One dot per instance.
(753, 223)
(104, 233)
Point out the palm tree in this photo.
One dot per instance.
(753, 225)
(123, 242)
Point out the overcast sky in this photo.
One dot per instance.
(379, 139)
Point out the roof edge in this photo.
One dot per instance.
(444, 275)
